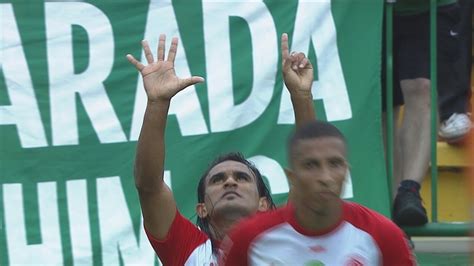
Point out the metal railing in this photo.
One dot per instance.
(434, 227)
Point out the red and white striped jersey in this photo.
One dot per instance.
(185, 244)
(361, 237)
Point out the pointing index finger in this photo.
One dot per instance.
(284, 46)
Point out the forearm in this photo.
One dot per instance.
(150, 154)
(303, 107)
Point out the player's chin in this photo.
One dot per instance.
(236, 208)
(232, 204)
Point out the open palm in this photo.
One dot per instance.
(159, 77)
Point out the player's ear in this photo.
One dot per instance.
(201, 210)
(263, 204)
(290, 176)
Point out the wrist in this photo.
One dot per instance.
(301, 95)
(159, 101)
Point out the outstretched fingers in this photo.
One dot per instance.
(161, 47)
(135, 62)
(173, 49)
(190, 81)
(147, 51)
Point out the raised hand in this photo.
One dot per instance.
(159, 77)
(297, 70)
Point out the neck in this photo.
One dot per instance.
(220, 226)
(318, 220)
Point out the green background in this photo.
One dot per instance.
(359, 26)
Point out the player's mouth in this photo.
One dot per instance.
(231, 193)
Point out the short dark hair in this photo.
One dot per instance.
(311, 130)
(262, 188)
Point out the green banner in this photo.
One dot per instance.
(71, 108)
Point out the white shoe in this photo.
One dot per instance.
(456, 126)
